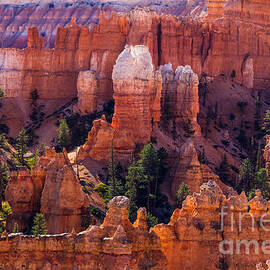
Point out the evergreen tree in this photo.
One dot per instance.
(224, 170)
(21, 148)
(4, 177)
(2, 93)
(162, 158)
(136, 189)
(232, 118)
(3, 145)
(174, 132)
(34, 95)
(257, 121)
(202, 158)
(64, 139)
(39, 225)
(259, 158)
(114, 182)
(103, 191)
(245, 175)
(266, 123)
(243, 140)
(181, 194)
(151, 220)
(150, 163)
(242, 105)
(261, 181)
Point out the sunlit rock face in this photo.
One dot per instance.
(137, 96)
(137, 92)
(48, 16)
(101, 138)
(87, 87)
(198, 230)
(215, 9)
(117, 244)
(51, 188)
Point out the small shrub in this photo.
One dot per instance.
(103, 191)
(181, 194)
(2, 93)
(151, 220)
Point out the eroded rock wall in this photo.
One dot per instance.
(115, 245)
(194, 238)
(235, 48)
(137, 93)
(51, 188)
(180, 97)
(209, 225)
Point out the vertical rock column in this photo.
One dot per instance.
(137, 91)
(87, 91)
(180, 96)
(62, 202)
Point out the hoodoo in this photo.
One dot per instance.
(134, 134)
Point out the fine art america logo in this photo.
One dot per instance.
(244, 246)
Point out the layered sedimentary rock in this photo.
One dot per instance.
(54, 72)
(191, 172)
(248, 10)
(209, 225)
(102, 138)
(137, 92)
(19, 15)
(215, 9)
(143, 95)
(62, 202)
(23, 194)
(180, 96)
(237, 49)
(34, 40)
(115, 245)
(87, 91)
(51, 188)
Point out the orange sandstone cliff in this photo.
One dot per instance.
(221, 46)
(203, 229)
(209, 225)
(52, 188)
(137, 93)
(115, 245)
